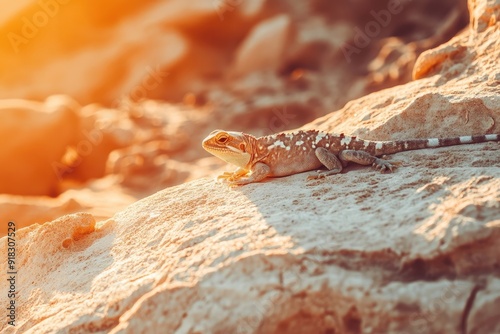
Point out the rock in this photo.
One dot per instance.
(484, 14)
(34, 210)
(265, 46)
(34, 139)
(415, 251)
(194, 258)
(483, 318)
(454, 84)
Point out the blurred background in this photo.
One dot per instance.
(103, 103)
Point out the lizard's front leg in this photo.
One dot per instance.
(364, 158)
(233, 176)
(259, 172)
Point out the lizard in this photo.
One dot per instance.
(291, 153)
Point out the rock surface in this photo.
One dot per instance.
(265, 46)
(415, 251)
(46, 129)
(361, 252)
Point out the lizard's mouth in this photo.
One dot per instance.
(229, 154)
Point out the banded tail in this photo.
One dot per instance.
(390, 147)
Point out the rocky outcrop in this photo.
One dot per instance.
(411, 252)
(32, 129)
(415, 251)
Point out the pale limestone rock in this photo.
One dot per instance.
(484, 14)
(348, 256)
(361, 252)
(34, 137)
(456, 94)
(265, 46)
(483, 318)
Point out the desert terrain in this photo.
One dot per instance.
(120, 223)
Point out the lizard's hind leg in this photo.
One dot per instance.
(329, 160)
(364, 158)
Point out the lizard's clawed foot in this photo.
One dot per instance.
(226, 176)
(230, 177)
(384, 165)
(233, 179)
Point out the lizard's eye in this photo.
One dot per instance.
(222, 140)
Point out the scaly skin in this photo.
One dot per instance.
(291, 153)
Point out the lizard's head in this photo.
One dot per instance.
(230, 146)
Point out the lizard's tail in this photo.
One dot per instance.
(418, 144)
